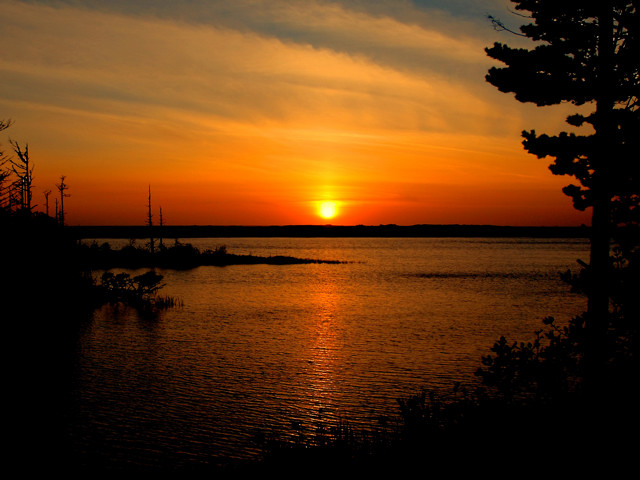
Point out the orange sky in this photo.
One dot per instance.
(254, 113)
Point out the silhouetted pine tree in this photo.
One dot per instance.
(586, 53)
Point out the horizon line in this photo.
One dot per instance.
(323, 225)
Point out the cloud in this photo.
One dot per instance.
(94, 60)
(273, 96)
(145, 68)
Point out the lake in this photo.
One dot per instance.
(283, 349)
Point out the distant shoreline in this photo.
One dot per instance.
(328, 231)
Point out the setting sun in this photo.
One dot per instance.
(327, 210)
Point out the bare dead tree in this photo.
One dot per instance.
(5, 190)
(150, 224)
(46, 201)
(161, 225)
(23, 171)
(61, 188)
(4, 172)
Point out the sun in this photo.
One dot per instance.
(327, 210)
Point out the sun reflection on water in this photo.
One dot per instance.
(324, 361)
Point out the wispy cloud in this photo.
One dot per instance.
(84, 57)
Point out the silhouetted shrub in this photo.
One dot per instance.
(139, 291)
(548, 366)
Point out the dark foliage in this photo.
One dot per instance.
(178, 256)
(586, 53)
(139, 291)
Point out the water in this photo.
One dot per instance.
(260, 349)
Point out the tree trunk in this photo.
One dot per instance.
(600, 274)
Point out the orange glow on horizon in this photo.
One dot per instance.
(294, 132)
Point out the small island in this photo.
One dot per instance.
(177, 256)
